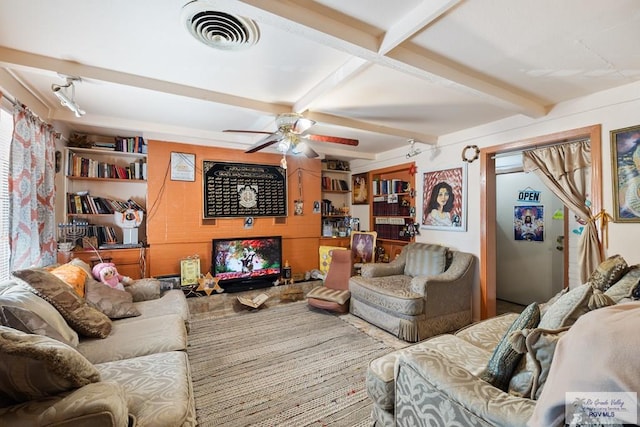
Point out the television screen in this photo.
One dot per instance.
(247, 258)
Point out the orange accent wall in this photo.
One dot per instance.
(175, 225)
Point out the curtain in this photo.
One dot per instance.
(564, 168)
(32, 190)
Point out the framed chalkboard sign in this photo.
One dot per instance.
(238, 190)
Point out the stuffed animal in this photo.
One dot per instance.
(107, 273)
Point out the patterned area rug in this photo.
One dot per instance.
(288, 365)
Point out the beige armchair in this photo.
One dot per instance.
(424, 292)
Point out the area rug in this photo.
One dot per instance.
(287, 365)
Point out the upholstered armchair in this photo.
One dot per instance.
(424, 292)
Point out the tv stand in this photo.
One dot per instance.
(246, 285)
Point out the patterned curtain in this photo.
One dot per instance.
(563, 169)
(32, 189)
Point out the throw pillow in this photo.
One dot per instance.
(114, 303)
(566, 310)
(608, 272)
(541, 344)
(25, 311)
(81, 317)
(623, 287)
(425, 259)
(72, 275)
(35, 367)
(505, 359)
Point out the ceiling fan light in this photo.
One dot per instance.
(283, 145)
(302, 124)
(299, 147)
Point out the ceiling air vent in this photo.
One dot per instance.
(219, 29)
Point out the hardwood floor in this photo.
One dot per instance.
(508, 307)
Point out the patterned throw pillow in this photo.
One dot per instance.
(505, 359)
(566, 310)
(23, 310)
(35, 367)
(608, 272)
(79, 315)
(116, 304)
(72, 275)
(623, 287)
(541, 344)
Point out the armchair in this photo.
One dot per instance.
(426, 291)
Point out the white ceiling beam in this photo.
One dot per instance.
(11, 85)
(417, 19)
(12, 57)
(329, 30)
(371, 127)
(419, 58)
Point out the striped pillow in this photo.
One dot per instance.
(424, 259)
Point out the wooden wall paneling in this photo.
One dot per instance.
(175, 224)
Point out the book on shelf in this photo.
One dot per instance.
(254, 302)
(84, 203)
(86, 167)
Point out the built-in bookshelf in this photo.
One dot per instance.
(393, 211)
(102, 181)
(336, 199)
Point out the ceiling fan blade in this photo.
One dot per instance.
(335, 139)
(247, 131)
(305, 149)
(264, 143)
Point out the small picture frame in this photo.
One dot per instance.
(625, 168)
(183, 167)
(189, 271)
(359, 189)
(363, 246)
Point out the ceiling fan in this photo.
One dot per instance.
(291, 136)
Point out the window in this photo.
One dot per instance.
(6, 131)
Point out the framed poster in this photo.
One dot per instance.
(189, 271)
(444, 199)
(528, 223)
(625, 168)
(240, 190)
(359, 190)
(183, 167)
(363, 245)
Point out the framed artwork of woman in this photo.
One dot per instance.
(444, 199)
(363, 246)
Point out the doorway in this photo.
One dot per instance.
(488, 247)
(530, 237)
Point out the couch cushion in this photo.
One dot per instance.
(487, 333)
(171, 302)
(505, 359)
(116, 304)
(144, 289)
(623, 287)
(608, 272)
(137, 337)
(81, 317)
(423, 259)
(34, 366)
(72, 275)
(380, 374)
(566, 310)
(158, 388)
(27, 312)
(390, 293)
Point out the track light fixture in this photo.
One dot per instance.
(413, 151)
(60, 91)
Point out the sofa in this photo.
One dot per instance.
(425, 291)
(493, 372)
(106, 358)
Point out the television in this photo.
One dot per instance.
(245, 263)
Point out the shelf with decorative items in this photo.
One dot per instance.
(336, 199)
(104, 209)
(393, 208)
